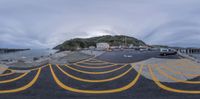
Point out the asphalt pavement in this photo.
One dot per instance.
(91, 79)
(131, 56)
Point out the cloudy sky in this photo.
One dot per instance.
(46, 23)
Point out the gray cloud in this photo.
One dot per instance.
(46, 23)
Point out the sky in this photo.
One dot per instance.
(47, 23)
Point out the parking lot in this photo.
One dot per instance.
(106, 76)
(131, 56)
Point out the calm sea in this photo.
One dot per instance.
(28, 54)
(197, 56)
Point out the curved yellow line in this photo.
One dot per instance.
(93, 61)
(14, 79)
(85, 60)
(38, 68)
(94, 81)
(96, 64)
(180, 73)
(7, 74)
(188, 67)
(175, 79)
(62, 85)
(94, 67)
(158, 83)
(103, 61)
(96, 60)
(24, 87)
(95, 73)
(29, 69)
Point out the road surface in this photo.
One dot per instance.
(130, 56)
(93, 79)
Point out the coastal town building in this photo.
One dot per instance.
(91, 47)
(102, 46)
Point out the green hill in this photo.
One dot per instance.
(86, 42)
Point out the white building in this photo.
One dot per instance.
(91, 47)
(102, 46)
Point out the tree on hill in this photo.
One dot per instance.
(117, 40)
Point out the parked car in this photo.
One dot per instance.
(167, 51)
(143, 49)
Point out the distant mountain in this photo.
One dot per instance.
(86, 42)
(163, 46)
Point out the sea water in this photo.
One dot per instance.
(27, 54)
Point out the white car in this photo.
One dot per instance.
(167, 51)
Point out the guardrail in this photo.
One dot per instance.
(188, 57)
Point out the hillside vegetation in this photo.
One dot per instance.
(117, 40)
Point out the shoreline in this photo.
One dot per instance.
(61, 58)
(9, 50)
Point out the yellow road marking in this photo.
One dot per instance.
(96, 64)
(85, 60)
(14, 79)
(4, 68)
(183, 65)
(95, 67)
(158, 83)
(7, 74)
(94, 81)
(97, 60)
(103, 61)
(38, 68)
(24, 87)
(175, 79)
(14, 70)
(91, 62)
(173, 62)
(104, 72)
(179, 73)
(184, 68)
(62, 85)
